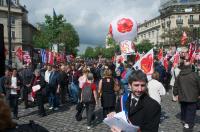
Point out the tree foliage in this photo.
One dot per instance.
(144, 46)
(173, 36)
(55, 30)
(99, 51)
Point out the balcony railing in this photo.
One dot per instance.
(193, 21)
(179, 21)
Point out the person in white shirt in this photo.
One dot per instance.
(46, 78)
(174, 72)
(156, 88)
(47, 73)
(13, 99)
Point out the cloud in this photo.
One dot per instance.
(91, 18)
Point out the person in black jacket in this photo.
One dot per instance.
(5, 84)
(39, 80)
(187, 90)
(141, 110)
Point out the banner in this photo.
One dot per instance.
(127, 47)
(27, 58)
(19, 53)
(146, 63)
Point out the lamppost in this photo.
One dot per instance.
(9, 35)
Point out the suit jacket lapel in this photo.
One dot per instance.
(133, 110)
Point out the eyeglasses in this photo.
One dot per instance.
(137, 85)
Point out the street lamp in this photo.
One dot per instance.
(9, 35)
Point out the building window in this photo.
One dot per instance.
(179, 17)
(149, 34)
(179, 26)
(12, 18)
(13, 35)
(191, 17)
(152, 33)
(191, 26)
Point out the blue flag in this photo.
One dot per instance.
(43, 55)
(54, 13)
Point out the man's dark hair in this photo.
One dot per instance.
(137, 75)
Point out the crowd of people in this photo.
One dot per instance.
(120, 88)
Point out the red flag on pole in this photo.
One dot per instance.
(192, 49)
(51, 58)
(184, 38)
(146, 63)
(176, 59)
(137, 56)
(160, 54)
(19, 53)
(165, 62)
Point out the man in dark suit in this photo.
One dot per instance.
(54, 87)
(140, 109)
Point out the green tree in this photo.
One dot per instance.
(108, 52)
(98, 51)
(69, 37)
(55, 30)
(144, 45)
(89, 52)
(173, 36)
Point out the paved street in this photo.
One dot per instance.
(64, 121)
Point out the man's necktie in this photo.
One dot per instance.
(133, 102)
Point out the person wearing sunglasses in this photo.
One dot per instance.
(141, 110)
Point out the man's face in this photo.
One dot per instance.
(49, 68)
(138, 88)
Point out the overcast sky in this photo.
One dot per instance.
(91, 18)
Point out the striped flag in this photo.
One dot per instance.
(51, 58)
(43, 55)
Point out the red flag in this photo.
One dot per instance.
(184, 38)
(27, 57)
(19, 53)
(58, 58)
(176, 59)
(51, 58)
(193, 58)
(160, 54)
(137, 57)
(146, 63)
(192, 49)
(165, 62)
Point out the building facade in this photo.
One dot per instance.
(173, 14)
(21, 30)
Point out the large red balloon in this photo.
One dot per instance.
(124, 28)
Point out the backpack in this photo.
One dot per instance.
(87, 94)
